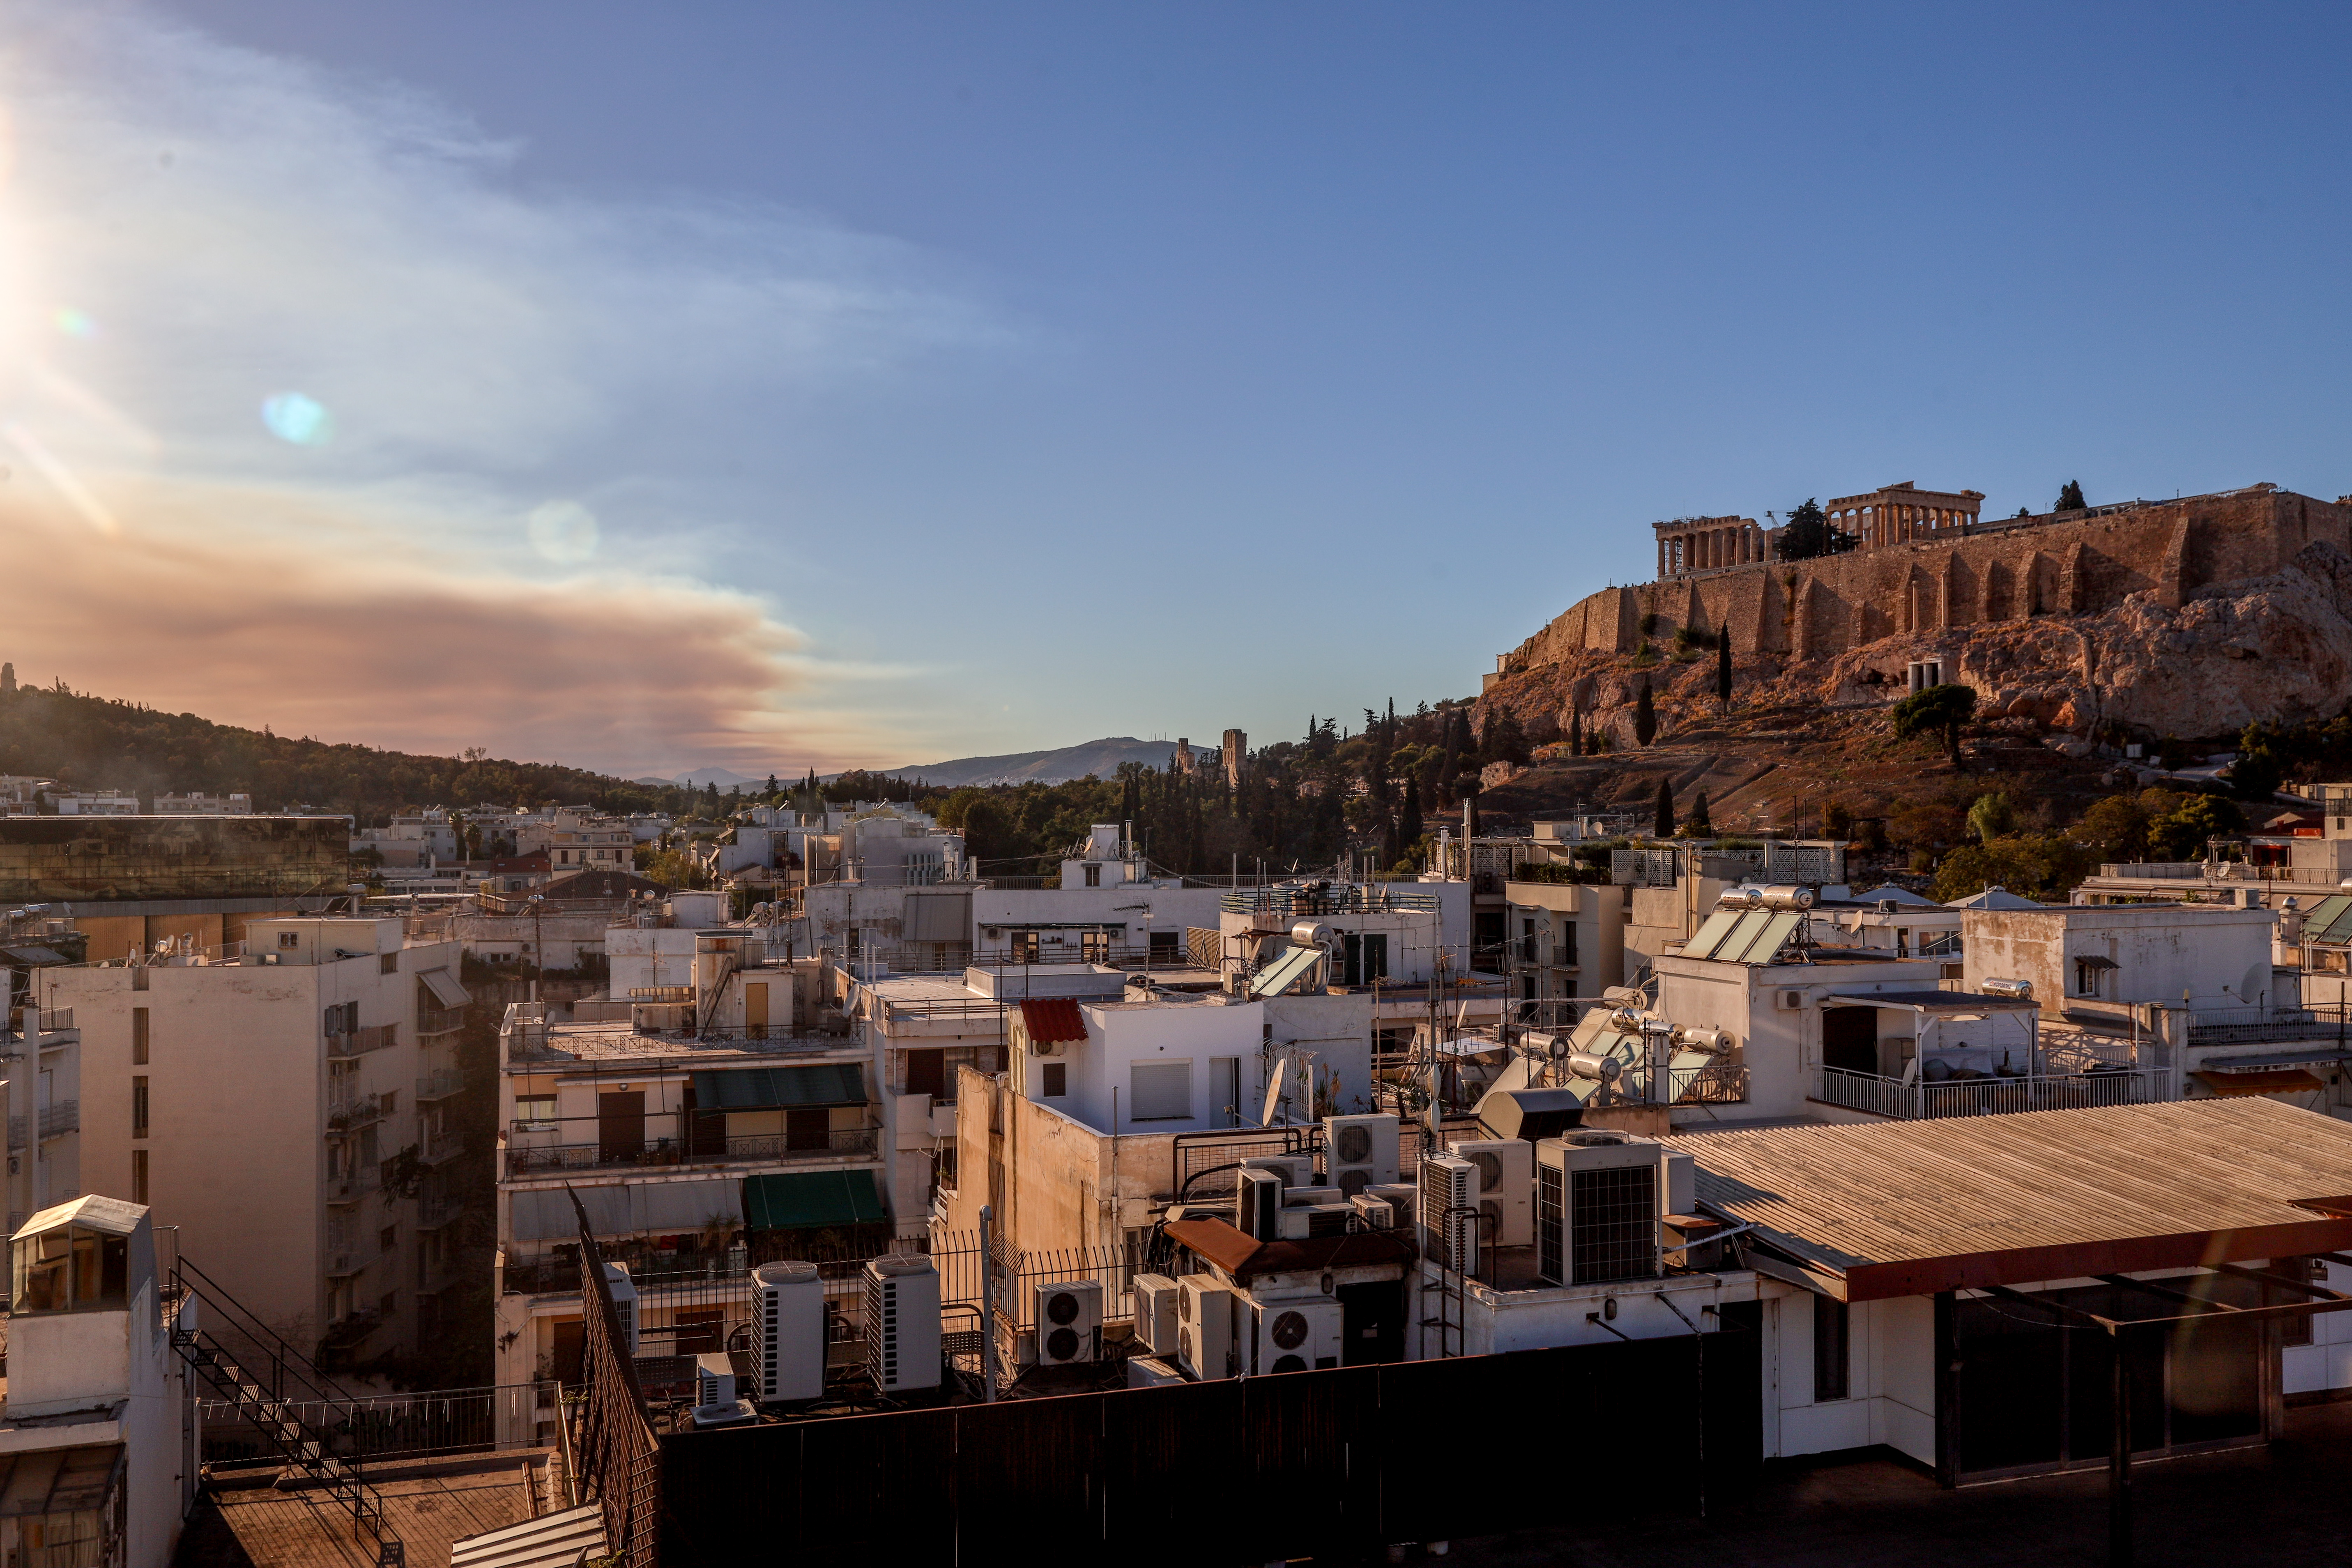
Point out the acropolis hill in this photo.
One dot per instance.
(2188, 617)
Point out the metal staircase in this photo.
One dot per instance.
(267, 1387)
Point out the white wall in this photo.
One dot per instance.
(2326, 1362)
(1891, 1380)
(1120, 1035)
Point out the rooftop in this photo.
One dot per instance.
(616, 1041)
(1906, 1208)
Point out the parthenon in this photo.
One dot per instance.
(1901, 512)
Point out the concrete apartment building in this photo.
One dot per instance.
(259, 1097)
(40, 1081)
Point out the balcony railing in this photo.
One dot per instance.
(61, 1118)
(359, 1042)
(2251, 1025)
(440, 1020)
(443, 1145)
(440, 1084)
(349, 1115)
(1994, 1096)
(1328, 898)
(845, 1143)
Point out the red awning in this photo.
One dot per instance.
(2281, 1080)
(1055, 1018)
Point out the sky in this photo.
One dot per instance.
(774, 385)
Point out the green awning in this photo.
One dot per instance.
(810, 1201)
(777, 1088)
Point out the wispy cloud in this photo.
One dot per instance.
(316, 418)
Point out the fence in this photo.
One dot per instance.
(384, 1427)
(1332, 1464)
(2250, 1025)
(1991, 1096)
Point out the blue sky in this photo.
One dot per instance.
(979, 379)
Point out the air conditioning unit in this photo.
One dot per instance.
(624, 1302)
(1296, 1169)
(1258, 1203)
(1155, 1313)
(1069, 1322)
(714, 1378)
(1295, 1335)
(1300, 1198)
(1507, 1189)
(1358, 1151)
(1293, 1223)
(1151, 1372)
(1447, 1212)
(902, 1322)
(790, 1342)
(1399, 1196)
(1204, 1326)
(1374, 1213)
(1598, 1196)
(1790, 1001)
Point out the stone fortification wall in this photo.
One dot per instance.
(2065, 564)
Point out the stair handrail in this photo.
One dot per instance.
(284, 1356)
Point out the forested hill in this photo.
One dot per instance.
(94, 742)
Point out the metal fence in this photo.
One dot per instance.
(2251, 1025)
(384, 1427)
(1991, 1096)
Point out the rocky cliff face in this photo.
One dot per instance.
(2276, 646)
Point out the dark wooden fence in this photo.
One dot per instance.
(1324, 1463)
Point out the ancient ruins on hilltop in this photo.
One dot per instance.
(1926, 562)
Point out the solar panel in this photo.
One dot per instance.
(1717, 926)
(1771, 930)
(1272, 980)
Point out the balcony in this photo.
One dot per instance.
(441, 1147)
(344, 1263)
(437, 1209)
(2260, 1026)
(439, 1020)
(348, 1116)
(847, 1144)
(359, 1042)
(440, 1084)
(1995, 1095)
(58, 1119)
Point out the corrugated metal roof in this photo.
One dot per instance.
(58, 1481)
(558, 1540)
(1904, 1208)
(1053, 1019)
(1244, 1259)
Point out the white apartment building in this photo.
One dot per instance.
(283, 1105)
(40, 1080)
(196, 803)
(94, 803)
(1567, 942)
(97, 1465)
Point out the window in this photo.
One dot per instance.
(139, 1036)
(1160, 1091)
(387, 1238)
(139, 1175)
(1832, 1348)
(1023, 947)
(1167, 946)
(926, 1073)
(288, 940)
(1567, 954)
(390, 1100)
(535, 1113)
(139, 1107)
(1053, 1080)
(1094, 876)
(387, 964)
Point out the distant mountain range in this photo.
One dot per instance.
(695, 778)
(1101, 758)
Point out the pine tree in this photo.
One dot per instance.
(2070, 497)
(1645, 715)
(1701, 826)
(1664, 826)
(1723, 665)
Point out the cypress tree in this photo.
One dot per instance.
(1409, 827)
(1576, 733)
(1645, 715)
(1665, 825)
(2070, 497)
(1701, 826)
(1723, 665)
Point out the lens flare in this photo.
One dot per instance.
(74, 323)
(295, 418)
(563, 532)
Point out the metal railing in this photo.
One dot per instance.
(349, 1114)
(359, 1042)
(854, 1144)
(1995, 1095)
(1325, 898)
(62, 1117)
(384, 1427)
(441, 1020)
(440, 1083)
(2251, 1025)
(443, 1143)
